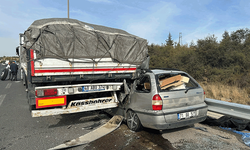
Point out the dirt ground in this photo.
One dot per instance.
(125, 139)
(194, 137)
(204, 137)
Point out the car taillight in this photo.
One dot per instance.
(46, 92)
(204, 94)
(157, 102)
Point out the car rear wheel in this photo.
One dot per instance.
(133, 121)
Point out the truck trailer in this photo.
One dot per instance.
(69, 66)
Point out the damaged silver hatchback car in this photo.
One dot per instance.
(165, 99)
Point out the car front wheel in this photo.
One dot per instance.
(133, 121)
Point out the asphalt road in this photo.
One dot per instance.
(19, 131)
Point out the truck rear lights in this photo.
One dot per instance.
(39, 93)
(157, 102)
(51, 101)
(50, 92)
(46, 92)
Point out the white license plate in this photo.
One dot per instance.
(186, 115)
(93, 88)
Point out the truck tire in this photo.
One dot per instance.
(4, 74)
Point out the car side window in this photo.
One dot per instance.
(143, 85)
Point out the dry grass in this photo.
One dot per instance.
(226, 93)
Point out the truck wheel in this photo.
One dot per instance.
(4, 74)
(133, 121)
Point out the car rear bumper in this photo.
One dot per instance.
(176, 124)
(161, 121)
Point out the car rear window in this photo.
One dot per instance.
(175, 81)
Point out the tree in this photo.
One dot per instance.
(239, 37)
(226, 40)
(192, 44)
(208, 51)
(225, 61)
(169, 41)
(225, 35)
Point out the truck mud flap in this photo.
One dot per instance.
(105, 129)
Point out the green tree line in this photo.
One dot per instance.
(226, 61)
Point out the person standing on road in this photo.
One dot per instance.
(8, 67)
(13, 68)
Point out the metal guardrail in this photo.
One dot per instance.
(227, 108)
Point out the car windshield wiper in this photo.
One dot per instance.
(189, 89)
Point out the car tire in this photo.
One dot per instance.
(4, 74)
(133, 121)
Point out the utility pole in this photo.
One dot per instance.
(180, 38)
(68, 8)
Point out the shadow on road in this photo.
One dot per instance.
(79, 118)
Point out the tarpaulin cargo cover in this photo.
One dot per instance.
(65, 38)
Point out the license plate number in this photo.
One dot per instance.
(186, 115)
(93, 88)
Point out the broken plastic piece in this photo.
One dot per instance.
(110, 126)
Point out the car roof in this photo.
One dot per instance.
(160, 71)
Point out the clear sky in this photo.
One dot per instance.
(149, 19)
